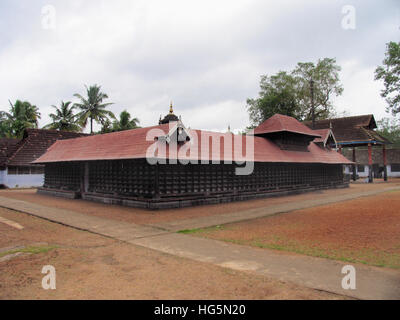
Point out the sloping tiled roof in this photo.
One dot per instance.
(35, 143)
(280, 123)
(7, 147)
(357, 129)
(132, 144)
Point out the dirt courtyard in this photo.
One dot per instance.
(90, 266)
(140, 216)
(365, 230)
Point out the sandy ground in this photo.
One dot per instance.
(140, 216)
(365, 230)
(90, 266)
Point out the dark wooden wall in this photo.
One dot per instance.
(63, 176)
(136, 178)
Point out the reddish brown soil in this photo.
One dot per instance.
(140, 216)
(90, 266)
(363, 230)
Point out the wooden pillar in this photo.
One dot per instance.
(86, 177)
(354, 165)
(385, 177)
(370, 173)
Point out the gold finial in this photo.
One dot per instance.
(171, 109)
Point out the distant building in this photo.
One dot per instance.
(16, 156)
(354, 132)
(114, 167)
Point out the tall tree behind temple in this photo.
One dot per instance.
(390, 74)
(290, 93)
(277, 95)
(22, 115)
(64, 118)
(92, 107)
(325, 75)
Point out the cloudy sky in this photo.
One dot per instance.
(205, 56)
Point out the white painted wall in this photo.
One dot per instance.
(366, 172)
(3, 174)
(392, 174)
(21, 180)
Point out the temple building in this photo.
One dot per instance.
(170, 166)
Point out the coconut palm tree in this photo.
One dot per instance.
(64, 118)
(92, 107)
(22, 115)
(125, 122)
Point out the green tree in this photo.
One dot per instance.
(124, 123)
(92, 107)
(22, 115)
(64, 119)
(277, 95)
(5, 128)
(289, 93)
(390, 74)
(325, 76)
(389, 129)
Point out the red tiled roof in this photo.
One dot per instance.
(132, 144)
(280, 123)
(355, 129)
(35, 143)
(7, 147)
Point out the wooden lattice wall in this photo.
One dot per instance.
(63, 176)
(136, 178)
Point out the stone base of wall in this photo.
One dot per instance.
(59, 193)
(174, 202)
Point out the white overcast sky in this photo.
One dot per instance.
(205, 56)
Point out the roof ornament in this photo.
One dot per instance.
(229, 128)
(171, 109)
(330, 125)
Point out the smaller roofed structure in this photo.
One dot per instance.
(352, 132)
(287, 132)
(170, 117)
(17, 155)
(327, 139)
(35, 142)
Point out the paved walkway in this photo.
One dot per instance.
(322, 274)
(211, 221)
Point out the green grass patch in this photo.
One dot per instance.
(202, 230)
(31, 250)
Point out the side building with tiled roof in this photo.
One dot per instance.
(354, 132)
(16, 157)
